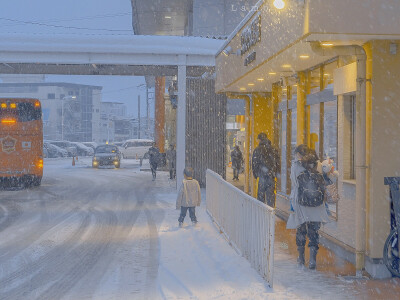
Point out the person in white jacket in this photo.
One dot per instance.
(189, 197)
(307, 220)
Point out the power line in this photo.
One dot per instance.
(65, 27)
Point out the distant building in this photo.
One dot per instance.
(70, 111)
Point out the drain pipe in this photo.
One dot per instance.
(361, 161)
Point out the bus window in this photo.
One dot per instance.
(24, 112)
(27, 112)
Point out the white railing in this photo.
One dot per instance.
(248, 224)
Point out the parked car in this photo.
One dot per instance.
(135, 148)
(106, 155)
(82, 149)
(45, 152)
(71, 149)
(92, 145)
(54, 151)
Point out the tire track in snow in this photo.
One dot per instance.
(84, 257)
(11, 213)
(52, 258)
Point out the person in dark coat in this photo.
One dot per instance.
(171, 157)
(265, 165)
(237, 160)
(154, 157)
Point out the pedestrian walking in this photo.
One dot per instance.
(307, 202)
(237, 161)
(154, 157)
(265, 165)
(189, 197)
(171, 157)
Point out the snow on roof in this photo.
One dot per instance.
(111, 44)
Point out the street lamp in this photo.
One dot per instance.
(62, 113)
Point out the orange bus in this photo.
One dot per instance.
(21, 141)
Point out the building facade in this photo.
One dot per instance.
(70, 111)
(332, 84)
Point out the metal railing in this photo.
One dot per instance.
(248, 224)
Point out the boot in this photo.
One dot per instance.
(313, 258)
(300, 259)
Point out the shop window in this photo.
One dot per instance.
(315, 80)
(328, 73)
(330, 131)
(349, 133)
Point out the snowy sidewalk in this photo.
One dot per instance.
(196, 262)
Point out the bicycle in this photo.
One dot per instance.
(391, 250)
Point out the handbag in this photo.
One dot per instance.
(332, 194)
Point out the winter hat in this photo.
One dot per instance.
(262, 136)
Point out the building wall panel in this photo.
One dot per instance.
(205, 128)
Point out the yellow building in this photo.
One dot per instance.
(327, 74)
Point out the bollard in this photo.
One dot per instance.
(73, 160)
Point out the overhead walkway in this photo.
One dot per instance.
(114, 55)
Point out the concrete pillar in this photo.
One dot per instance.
(181, 122)
(159, 133)
(301, 104)
(247, 174)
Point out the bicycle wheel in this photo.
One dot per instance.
(391, 254)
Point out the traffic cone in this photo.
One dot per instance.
(73, 160)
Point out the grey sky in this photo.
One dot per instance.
(65, 17)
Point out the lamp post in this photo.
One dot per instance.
(62, 113)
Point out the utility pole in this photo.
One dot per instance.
(147, 111)
(139, 115)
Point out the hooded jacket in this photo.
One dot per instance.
(189, 194)
(301, 213)
(265, 161)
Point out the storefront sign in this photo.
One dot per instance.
(251, 35)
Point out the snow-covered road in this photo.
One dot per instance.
(112, 234)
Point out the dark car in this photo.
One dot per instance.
(106, 155)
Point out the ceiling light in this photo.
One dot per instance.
(272, 73)
(286, 66)
(279, 4)
(295, 85)
(327, 44)
(260, 79)
(326, 74)
(242, 89)
(305, 56)
(250, 84)
(168, 17)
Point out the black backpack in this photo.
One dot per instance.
(311, 188)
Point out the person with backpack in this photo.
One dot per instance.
(154, 157)
(307, 201)
(265, 165)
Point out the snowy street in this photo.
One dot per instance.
(113, 234)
